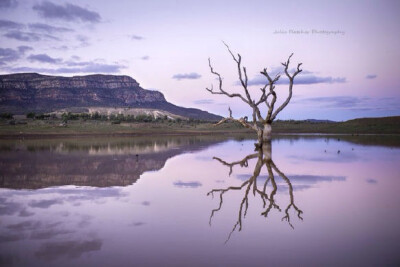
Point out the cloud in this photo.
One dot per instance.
(67, 67)
(91, 194)
(257, 80)
(204, 102)
(71, 66)
(187, 184)
(72, 193)
(48, 28)
(67, 12)
(25, 213)
(9, 208)
(145, 203)
(145, 58)
(300, 79)
(62, 47)
(137, 223)
(76, 63)
(44, 58)
(371, 76)
(29, 36)
(92, 68)
(245, 177)
(11, 237)
(313, 179)
(372, 181)
(334, 101)
(24, 226)
(329, 157)
(48, 233)
(8, 55)
(10, 25)
(136, 37)
(24, 48)
(311, 79)
(70, 249)
(353, 103)
(296, 187)
(299, 182)
(8, 3)
(186, 76)
(45, 203)
(23, 36)
(84, 40)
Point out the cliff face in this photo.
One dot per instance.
(25, 92)
(104, 90)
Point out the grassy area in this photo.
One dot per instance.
(93, 127)
(386, 125)
(56, 127)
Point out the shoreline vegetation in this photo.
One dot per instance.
(41, 125)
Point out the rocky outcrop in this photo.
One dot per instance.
(25, 92)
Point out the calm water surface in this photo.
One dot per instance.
(200, 201)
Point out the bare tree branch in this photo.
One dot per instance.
(271, 85)
(291, 204)
(262, 160)
(242, 121)
(242, 163)
(244, 82)
(221, 90)
(242, 71)
(271, 200)
(262, 125)
(291, 79)
(221, 200)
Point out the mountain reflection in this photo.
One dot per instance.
(264, 159)
(35, 164)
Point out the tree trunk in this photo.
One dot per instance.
(260, 135)
(264, 135)
(267, 133)
(267, 150)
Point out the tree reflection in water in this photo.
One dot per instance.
(264, 158)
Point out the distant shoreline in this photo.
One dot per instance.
(247, 135)
(133, 134)
(33, 128)
(244, 132)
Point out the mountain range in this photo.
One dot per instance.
(32, 92)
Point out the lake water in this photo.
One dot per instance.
(320, 201)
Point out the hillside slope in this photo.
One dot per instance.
(26, 92)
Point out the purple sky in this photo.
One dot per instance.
(349, 49)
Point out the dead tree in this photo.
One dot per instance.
(259, 123)
(250, 186)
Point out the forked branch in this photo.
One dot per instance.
(221, 91)
(291, 204)
(242, 163)
(291, 80)
(260, 123)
